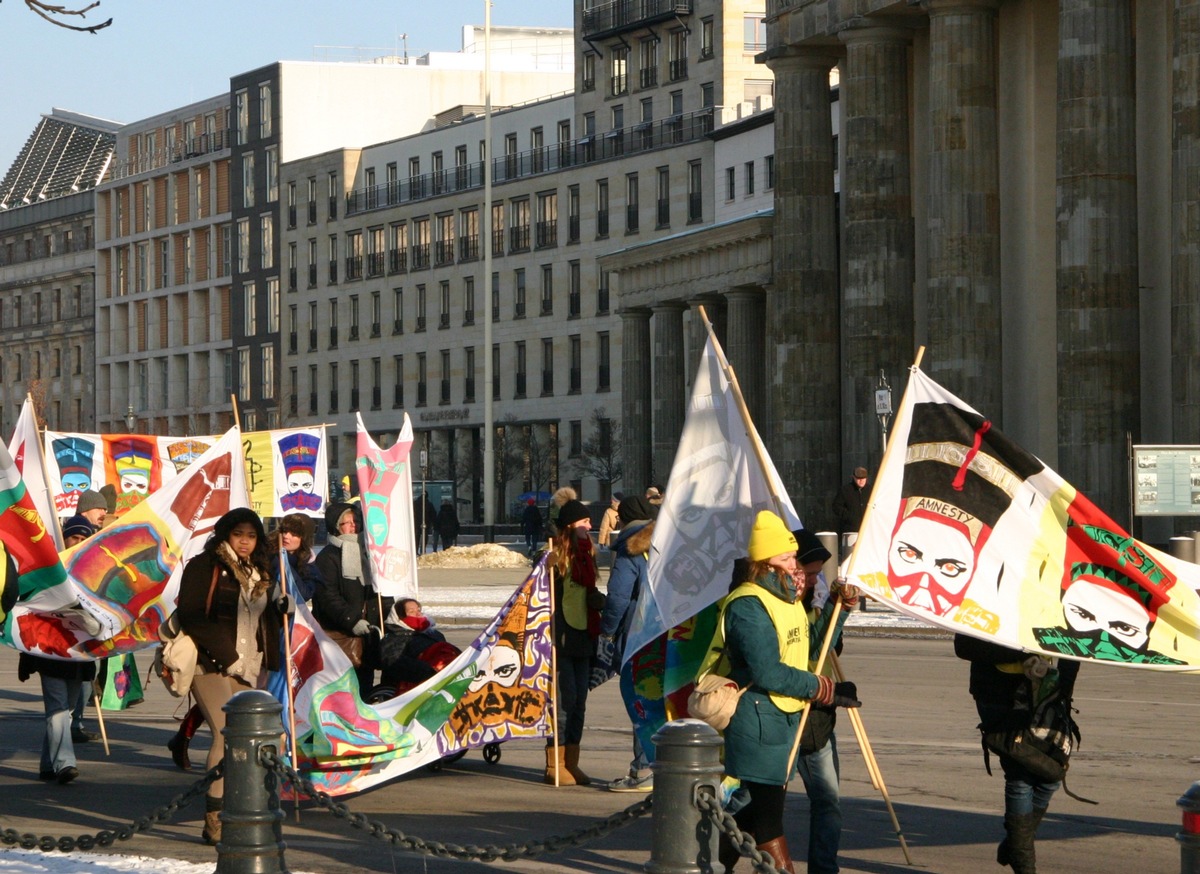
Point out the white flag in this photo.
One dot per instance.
(717, 486)
(25, 449)
(385, 489)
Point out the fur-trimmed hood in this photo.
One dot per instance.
(635, 538)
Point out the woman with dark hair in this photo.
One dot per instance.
(577, 605)
(226, 608)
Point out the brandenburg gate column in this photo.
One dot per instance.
(877, 227)
(1099, 366)
(1185, 231)
(803, 427)
(745, 348)
(964, 203)
(670, 399)
(635, 399)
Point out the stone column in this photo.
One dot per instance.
(877, 227)
(744, 346)
(697, 337)
(635, 399)
(1185, 220)
(1098, 346)
(964, 204)
(670, 400)
(802, 428)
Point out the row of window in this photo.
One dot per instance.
(174, 260)
(63, 305)
(748, 178)
(46, 246)
(22, 365)
(426, 390)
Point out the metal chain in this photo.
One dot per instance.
(106, 837)
(726, 824)
(491, 853)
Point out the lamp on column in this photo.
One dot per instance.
(130, 418)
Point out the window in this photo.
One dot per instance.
(267, 241)
(242, 112)
(444, 248)
(333, 323)
(498, 229)
(601, 208)
(573, 214)
(291, 200)
(312, 200)
(749, 178)
(268, 372)
(730, 183)
(618, 71)
(547, 289)
(249, 309)
(398, 381)
(264, 113)
(588, 77)
(444, 294)
(444, 393)
(537, 154)
(706, 95)
(663, 204)
(354, 386)
(422, 379)
(575, 350)
(469, 375)
(243, 227)
(631, 203)
(495, 297)
(754, 33)
(354, 316)
(333, 388)
(273, 179)
(648, 62)
(354, 255)
(695, 191)
(420, 241)
(547, 366)
(420, 308)
(333, 259)
(677, 58)
(574, 296)
(469, 300)
(243, 363)
(576, 438)
(312, 263)
(547, 225)
(603, 360)
(273, 304)
(521, 370)
(511, 167)
(397, 311)
(769, 166)
(334, 193)
(468, 234)
(519, 293)
(376, 312)
(519, 226)
(312, 389)
(376, 383)
(706, 38)
(397, 247)
(375, 252)
(248, 180)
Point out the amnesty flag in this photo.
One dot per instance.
(969, 531)
(716, 488)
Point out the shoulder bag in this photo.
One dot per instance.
(175, 660)
(715, 698)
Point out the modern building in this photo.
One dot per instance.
(47, 270)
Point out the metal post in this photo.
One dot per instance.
(1183, 548)
(687, 759)
(251, 822)
(1189, 838)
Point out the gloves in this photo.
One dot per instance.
(1036, 667)
(285, 606)
(845, 694)
(824, 693)
(849, 593)
(361, 628)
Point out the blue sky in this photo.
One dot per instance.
(158, 54)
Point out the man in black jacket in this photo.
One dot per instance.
(848, 507)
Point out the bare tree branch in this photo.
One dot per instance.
(49, 10)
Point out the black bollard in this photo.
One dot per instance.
(1189, 837)
(687, 759)
(251, 822)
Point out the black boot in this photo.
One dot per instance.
(727, 853)
(1016, 850)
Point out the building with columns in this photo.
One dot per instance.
(1018, 193)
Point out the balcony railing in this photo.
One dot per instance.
(602, 223)
(375, 329)
(376, 398)
(398, 395)
(602, 376)
(677, 69)
(573, 229)
(547, 382)
(420, 256)
(443, 252)
(333, 271)
(397, 327)
(498, 241)
(664, 212)
(648, 76)
(333, 336)
(312, 212)
(574, 305)
(420, 324)
(312, 340)
(644, 136)
(312, 275)
(576, 385)
(619, 16)
(547, 234)
(375, 264)
(292, 343)
(185, 149)
(695, 208)
(520, 385)
(354, 266)
(291, 279)
(291, 212)
(353, 399)
(445, 391)
(631, 218)
(518, 238)
(468, 248)
(397, 261)
(443, 321)
(422, 393)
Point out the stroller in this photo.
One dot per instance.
(408, 657)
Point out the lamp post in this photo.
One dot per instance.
(130, 418)
(883, 405)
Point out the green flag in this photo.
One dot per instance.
(120, 684)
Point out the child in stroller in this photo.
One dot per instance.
(412, 649)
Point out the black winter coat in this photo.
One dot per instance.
(338, 602)
(215, 630)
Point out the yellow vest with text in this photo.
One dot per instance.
(791, 624)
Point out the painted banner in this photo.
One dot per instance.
(716, 488)
(26, 451)
(111, 592)
(385, 489)
(287, 468)
(118, 683)
(967, 530)
(497, 689)
(24, 534)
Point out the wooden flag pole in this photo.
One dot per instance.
(100, 719)
(553, 657)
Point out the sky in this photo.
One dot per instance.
(160, 54)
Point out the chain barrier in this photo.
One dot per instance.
(491, 853)
(106, 837)
(726, 824)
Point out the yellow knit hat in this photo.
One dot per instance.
(770, 537)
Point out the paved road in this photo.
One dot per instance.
(1139, 740)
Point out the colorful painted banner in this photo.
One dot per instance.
(109, 594)
(385, 489)
(498, 689)
(118, 683)
(717, 486)
(287, 469)
(26, 448)
(967, 530)
(24, 533)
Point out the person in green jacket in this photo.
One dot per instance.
(768, 640)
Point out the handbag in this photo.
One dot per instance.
(175, 660)
(352, 646)
(715, 698)
(1046, 737)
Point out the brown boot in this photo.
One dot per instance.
(778, 851)
(212, 820)
(559, 763)
(571, 760)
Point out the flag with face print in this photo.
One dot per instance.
(385, 491)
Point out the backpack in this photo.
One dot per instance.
(1048, 733)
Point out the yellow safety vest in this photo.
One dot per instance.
(791, 624)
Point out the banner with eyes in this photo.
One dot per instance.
(969, 531)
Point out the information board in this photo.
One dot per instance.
(1166, 480)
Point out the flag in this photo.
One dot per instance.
(25, 533)
(119, 685)
(385, 489)
(497, 689)
(967, 530)
(26, 451)
(717, 486)
(277, 680)
(113, 590)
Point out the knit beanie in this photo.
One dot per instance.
(91, 500)
(769, 537)
(571, 512)
(77, 526)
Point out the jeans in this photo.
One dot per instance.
(1023, 793)
(77, 712)
(58, 701)
(640, 765)
(819, 771)
(573, 674)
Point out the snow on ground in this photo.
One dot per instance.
(482, 555)
(17, 861)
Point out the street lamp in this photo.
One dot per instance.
(130, 418)
(883, 405)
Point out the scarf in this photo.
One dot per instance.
(351, 557)
(253, 583)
